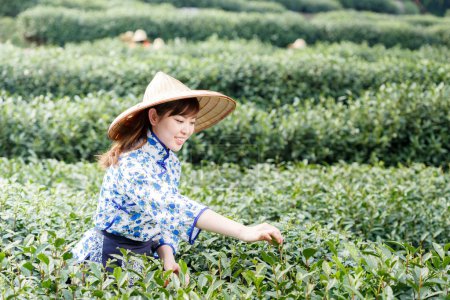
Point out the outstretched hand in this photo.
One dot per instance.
(261, 232)
(175, 267)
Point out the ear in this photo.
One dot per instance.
(153, 116)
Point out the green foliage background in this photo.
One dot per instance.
(343, 145)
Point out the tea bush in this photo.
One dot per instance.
(385, 6)
(230, 5)
(258, 5)
(13, 8)
(254, 72)
(310, 6)
(57, 25)
(372, 202)
(159, 21)
(46, 206)
(395, 124)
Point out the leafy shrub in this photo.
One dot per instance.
(9, 32)
(375, 29)
(310, 6)
(397, 124)
(425, 20)
(78, 4)
(404, 203)
(13, 8)
(230, 5)
(436, 7)
(60, 25)
(385, 6)
(268, 79)
(410, 8)
(441, 31)
(40, 225)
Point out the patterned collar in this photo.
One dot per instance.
(153, 142)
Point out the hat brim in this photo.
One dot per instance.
(214, 107)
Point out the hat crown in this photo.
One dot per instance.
(163, 86)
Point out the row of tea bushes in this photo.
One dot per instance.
(268, 79)
(41, 223)
(59, 26)
(372, 202)
(396, 124)
(383, 6)
(308, 6)
(413, 20)
(396, 30)
(213, 46)
(229, 5)
(43, 24)
(13, 8)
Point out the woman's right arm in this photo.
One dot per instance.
(213, 222)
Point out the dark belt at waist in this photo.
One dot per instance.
(122, 239)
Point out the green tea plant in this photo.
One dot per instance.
(46, 205)
(254, 73)
(58, 25)
(230, 5)
(394, 124)
(374, 203)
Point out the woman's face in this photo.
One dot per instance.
(173, 131)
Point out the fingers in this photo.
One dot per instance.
(270, 233)
(265, 236)
(277, 236)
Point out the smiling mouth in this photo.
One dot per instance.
(180, 140)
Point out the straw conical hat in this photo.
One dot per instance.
(163, 88)
(139, 36)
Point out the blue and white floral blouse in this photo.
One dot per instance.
(139, 200)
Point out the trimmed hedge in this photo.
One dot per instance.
(229, 5)
(384, 6)
(436, 7)
(310, 6)
(403, 203)
(417, 21)
(396, 124)
(13, 8)
(258, 5)
(60, 25)
(269, 79)
(79, 4)
(378, 29)
(42, 224)
(9, 32)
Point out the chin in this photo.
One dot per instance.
(176, 148)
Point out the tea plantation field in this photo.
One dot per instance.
(343, 145)
(350, 231)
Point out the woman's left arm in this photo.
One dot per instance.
(212, 221)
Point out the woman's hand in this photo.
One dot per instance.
(166, 254)
(261, 232)
(171, 264)
(212, 221)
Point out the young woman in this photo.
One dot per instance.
(140, 207)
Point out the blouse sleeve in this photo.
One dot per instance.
(175, 214)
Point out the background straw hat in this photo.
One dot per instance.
(139, 36)
(163, 88)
